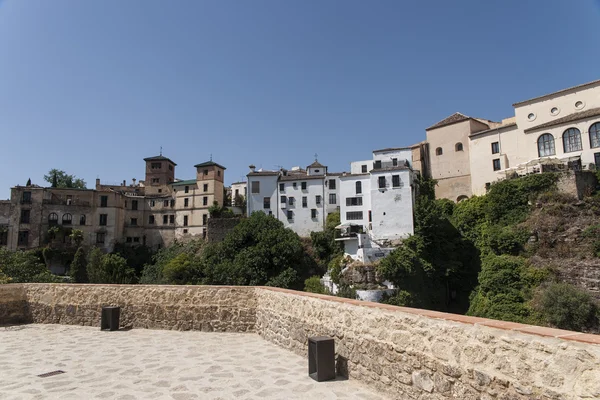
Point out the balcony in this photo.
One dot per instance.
(67, 202)
(383, 165)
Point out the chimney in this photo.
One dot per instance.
(133, 180)
(97, 183)
(124, 182)
(252, 167)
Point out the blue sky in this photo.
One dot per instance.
(93, 87)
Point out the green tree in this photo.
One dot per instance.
(76, 236)
(258, 251)
(324, 245)
(181, 270)
(59, 178)
(153, 273)
(116, 270)
(78, 270)
(314, 285)
(95, 270)
(22, 266)
(565, 306)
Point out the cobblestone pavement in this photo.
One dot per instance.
(154, 364)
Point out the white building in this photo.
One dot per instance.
(300, 198)
(377, 201)
(559, 127)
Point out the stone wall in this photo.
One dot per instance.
(13, 304)
(419, 354)
(577, 183)
(407, 353)
(218, 228)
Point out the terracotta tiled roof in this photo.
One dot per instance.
(208, 164)
(316, 164)
(300, 177)
(453, 119)
(559, 92)
(592, 112)
(263, 173)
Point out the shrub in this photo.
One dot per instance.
(22, 266)
(94, 267)
(78, 269)
(314, 285)
(565, 306)
(347, 292)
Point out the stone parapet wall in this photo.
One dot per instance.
(419, 354)
(404, 352)
(13, 304)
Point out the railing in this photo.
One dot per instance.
(389, 164)
(61, 202)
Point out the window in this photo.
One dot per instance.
(204, 219)
(82, 219)
(186, 189)
(256, 187)
(103, 219)
(363, 168)
(205, 201)
(394, 162)
(370, 216)
(3, 235)
(25, 214)
(151, 219)
(354, 215)
(381, 181)
(332, 199)
(205, 172)
(439, 151)
(218, 172)
(67, 219)
(496, 164)
(103, 201)
(303, 185)
(23, 238)
(26, 199)
(295, 185)
(396, 181)
(267, 203)
(152, 203)
(546, 145)
(531, 116)
(572, 140)
(283, 200)
(458, 147)
(173, 203)
(185, 220)
(52, 219)
(165, 203)
(170, 167)
(495, 148)
(358, 187)
(100, 237)
(318, 200)
(129, 239)
(281, 187)
(317, 171)
(155, 165)
(579, 105)
(165, 219)
(554, 111)
(136, 239)
(304, 202)
(205, 187)
(377, 164)
(290, 214)
(159, 190)
(313, 213)
(134, 205)
(597, 159)
(133, 221)
(185, 231)
(291, 201)
(125, 203)
(186, 202)
(354, 201)
(171, 219)
(331, 184)
(155, 180)
(595, 135)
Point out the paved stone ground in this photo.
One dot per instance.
(154, 364)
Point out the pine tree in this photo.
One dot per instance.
(95, 270)
(28, 182)
(78, 270)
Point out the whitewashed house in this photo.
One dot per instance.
(377, 205)
(300, 198)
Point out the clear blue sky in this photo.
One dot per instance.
(93, 87)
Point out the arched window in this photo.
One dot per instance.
(82, 219)
(572, 140)
(67, 219)
(546, 145)
(461, 198)
(53, 219)
(595, 135)
(458, 147)
(439, 151)
(358, 187)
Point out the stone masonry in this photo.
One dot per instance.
(403, 352)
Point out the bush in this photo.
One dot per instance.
(116, 270)
(78, 270)
(565, 306)
(181, 270)
(314, 285)
(94, 267)
(22, 266)
(347, 292)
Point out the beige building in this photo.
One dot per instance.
(153, 212)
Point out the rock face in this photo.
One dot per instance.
(404, 352)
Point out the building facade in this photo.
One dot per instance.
(153, 212)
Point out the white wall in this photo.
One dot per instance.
(348, 189)
(392, 207)
(268, 188)
(356, 166)
(302, 222)
(401, 154)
